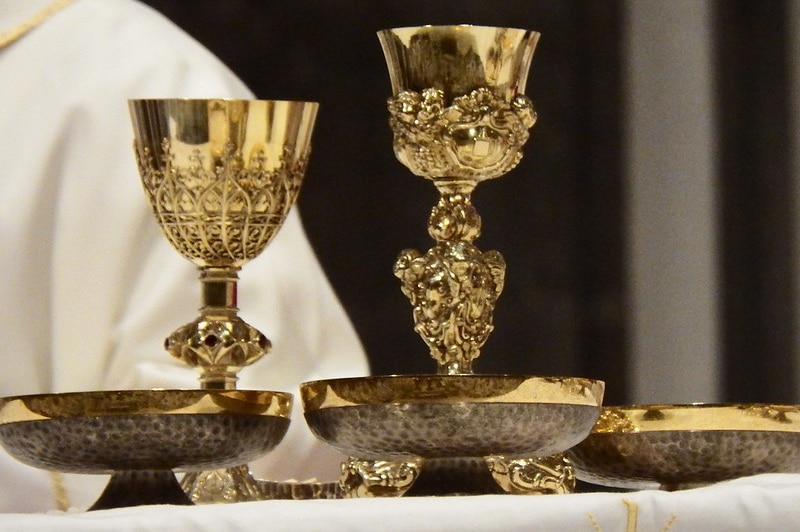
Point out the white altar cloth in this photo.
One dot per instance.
(762, 503)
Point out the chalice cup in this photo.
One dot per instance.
(221, 176)
(459, 117)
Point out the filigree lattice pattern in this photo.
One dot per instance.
(220, 212)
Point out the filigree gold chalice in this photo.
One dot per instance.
(221, 177)
(688, 445)
(459, 117)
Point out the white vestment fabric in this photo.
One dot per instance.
(89, 287)
(761, 503)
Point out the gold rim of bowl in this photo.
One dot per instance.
(405, 389)
(243, 100)
(37, 407)
(698, 417)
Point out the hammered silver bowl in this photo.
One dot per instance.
(448, 416)
(681, 446)
(142, 436)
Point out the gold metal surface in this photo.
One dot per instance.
(234, 484)
(701, 416)
(459, 59)
(297, 490)
(459, 117)
(678, 446)
(377, 478)
(22, 408)
(450, 389)
(221, 177)
(533, 476)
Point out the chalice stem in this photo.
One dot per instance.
(219, 290)
(453, 287)
(219, 296)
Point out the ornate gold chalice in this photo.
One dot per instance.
(681, 446)
(221, 176)
(459, 117)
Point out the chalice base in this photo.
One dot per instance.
(233, 484)
(290, 489)
(237, 484)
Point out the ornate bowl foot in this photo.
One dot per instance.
(457, 476)
(533, 476)
(378, 478)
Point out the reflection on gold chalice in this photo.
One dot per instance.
(681, 446)
(142, 436)
(459, 117)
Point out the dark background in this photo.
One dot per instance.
(558, 218)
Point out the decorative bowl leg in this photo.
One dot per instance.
(378, 478)
(533, 476)
(412, 477)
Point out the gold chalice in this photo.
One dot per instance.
(459, 117)
(221, 177)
